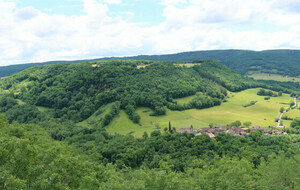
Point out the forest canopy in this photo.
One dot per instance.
(43, 147)
(76, 91)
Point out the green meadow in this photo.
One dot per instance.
(43, 109)
(96, 117)
(186, 64)
(293, 113)
(263, 113)
(276, 77)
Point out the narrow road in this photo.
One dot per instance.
(279, 120)
(295, 100)
(281, 114)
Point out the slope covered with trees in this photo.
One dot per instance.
(43, 148)
(30, 159)
(76, 91)
(283, 62)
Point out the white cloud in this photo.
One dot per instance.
(289, 5)
(28, 34)
(27, 13)
(113, 1)
(172, 2)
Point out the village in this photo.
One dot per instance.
(235, 131)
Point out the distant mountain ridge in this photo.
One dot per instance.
(283, 62)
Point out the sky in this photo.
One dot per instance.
(45, 30)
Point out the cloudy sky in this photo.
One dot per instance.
(43, 30)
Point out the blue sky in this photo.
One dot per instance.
(43, 30)
(140, 11)
(65, 7)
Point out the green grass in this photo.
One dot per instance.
(263, 113)
(20, 102)
(123, 125)
(276, 77)
(292, 114)
(141, 66)
(188, 65)
(94, 118)
(43, 109)
(185, 100)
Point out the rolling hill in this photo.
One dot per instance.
(92, 94)
(85, 104)
(76, 91)
(245, 62)
(283, 62)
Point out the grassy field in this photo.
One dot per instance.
(20, 102)
(43, 109)
(276, 77)
(95, 118)
(123, 125)
(185, 100)
(292, 114)
(142, 66)
(263, 113)
(188, 65)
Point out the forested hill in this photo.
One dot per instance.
(56, 97)
(12, 69)
(284, 62)
(76, 91)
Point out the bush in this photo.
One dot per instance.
(250, 104)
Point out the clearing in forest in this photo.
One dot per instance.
(263, 113)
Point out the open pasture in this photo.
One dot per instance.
(263, 113)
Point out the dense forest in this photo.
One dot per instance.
(49, 150)
(76, 91)
(12, 69)
(30, 159)
(283, 62)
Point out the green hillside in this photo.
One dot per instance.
(263, 113)
(30, 159)
(274, 77)
(282, 62)
(92, 94)
(98, 125)
(12, 69)
(76, 91)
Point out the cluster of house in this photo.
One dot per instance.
(212, 132)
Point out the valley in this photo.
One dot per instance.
(114, 123)
(275, 77)
(263, 113)
(149, 95)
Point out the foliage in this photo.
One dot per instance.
(30, 159)
(76, 91)
(250, 104)
(236, 123)
(242, 61)
(296, 123)
(268, 93)
(90, 158)
(247, 124)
